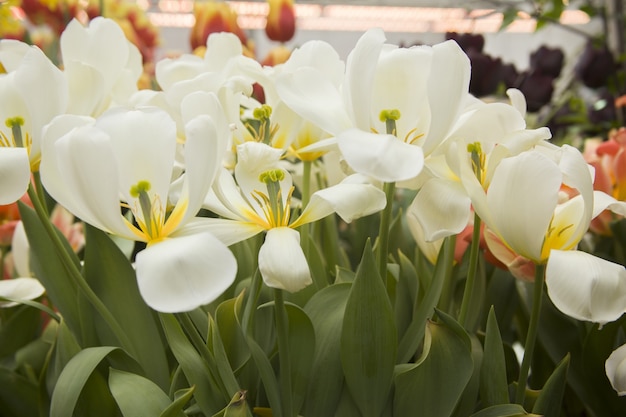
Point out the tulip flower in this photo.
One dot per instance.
(281, 20)
(261, 201)
(422, 89)
(615, 367)
(23, 113)
(213, 17)
(89, 165)
(101, 66)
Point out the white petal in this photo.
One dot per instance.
(517, 100)
(360, 71)
(15, 174)
(615, 367)
(21, 289)
(282, 262)
(448, 85)
(383, 157)
(586, 287)
(349, 201)
(227, 231)
(183, 273)
(20, 248)
(12, 52)
(144, 145)
(522, 199)
(603, 201)
(442, 207)
(315, 98)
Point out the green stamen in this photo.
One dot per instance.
(272, 179)
(140, 191)
(16, 123)
(390, 117)
(478, 159)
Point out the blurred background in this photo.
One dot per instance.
(566, 56)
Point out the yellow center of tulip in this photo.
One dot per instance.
(18, 139)
(276, 213)
(153, 221)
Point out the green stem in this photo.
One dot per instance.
(448, 286)
(383, 234)
(471, 274)
(305, 229)
(75, 274)
(531, 335)
(282, 324)
(40, 192)
(251, 302)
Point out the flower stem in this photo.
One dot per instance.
(531, 335)
(470, 283)
(383, 234)
(74, 273)
(40, 191)
(306, 191)
(282, 324)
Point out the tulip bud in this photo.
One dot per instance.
(616, 370)
(281, 20)
(213, 17)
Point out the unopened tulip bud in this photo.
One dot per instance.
(281, 20)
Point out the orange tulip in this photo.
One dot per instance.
(281, 20)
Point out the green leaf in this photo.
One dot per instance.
(302, 349)
(50, 270)
(176, 407)
(112, 278)
(18, 395)
(432, 387)
(550, 399)
(230, 332)
(222, 364)
(326, 311)
(20, 328)
(493, 383)
(503, 410)
(73, 380)
(509, 16)
(207, 393)
(406, 294)
(469, 398)
(415, 333)
(368, 339)
(137, 396)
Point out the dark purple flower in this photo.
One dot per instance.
(486, 73)
(548, 61)
(595, 66)
(537, 88)
(467, 41)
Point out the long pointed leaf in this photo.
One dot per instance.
(493, 384)
(368, 339)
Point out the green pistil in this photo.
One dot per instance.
(16, 123)
(390, 117)
(262, 114)
(272, 180)
(140, 191)
(478, 158)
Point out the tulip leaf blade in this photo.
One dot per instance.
(137, 396)
(548, 404)
(326, 310)
(368, 339)
(434, 385)
(493, 384)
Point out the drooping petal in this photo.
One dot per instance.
(15, 174)
(349, 201)
(586, 287)
(522, 199)
(183, 273)
(227, 231)
(603, 201)
(383, 157)
(442, 207)
(20, 248)
(517, 100)
(23, 288)
(282, 262)
(615, 367)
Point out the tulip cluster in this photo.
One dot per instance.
(320, 253)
